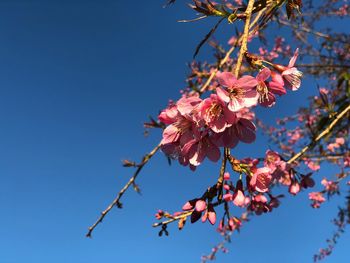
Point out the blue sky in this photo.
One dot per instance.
(77, 80)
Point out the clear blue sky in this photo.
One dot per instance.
(77, 80)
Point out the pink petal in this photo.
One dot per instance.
(219, 125)
(223, 95)
(235, 105)
(277, 88)
(264, 74)
(170, 134)
(244, 133)
(294, 58)
(186, 105)
(213, 153)
(229, 138)
(226, 79)
(248, 123)
(251, 98)
(169, 149)
(270, 101)
(277, 78)
(247, 82)
(230, 116)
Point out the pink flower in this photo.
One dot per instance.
(265, 98)
(276, 85)
(313, 166)
(330, 186)
(243, 130)
(215, 114)
(340, 141)
(181, 127)
(169, 115)
(261, 179)
(239, 198)
(317, 199)
(290, 73)
(237, 93)
(186, 105)
(332, 146)
(272, 160)
(259, 205)
(195, 150)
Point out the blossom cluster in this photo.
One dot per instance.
(197, 127)
(254, 194)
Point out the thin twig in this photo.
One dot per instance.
(304, 29)
(116, 201)
(320, 136)
(321, 66)
(183, 215)
(230, 51)
(248, 15)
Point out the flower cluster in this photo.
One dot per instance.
(197, 128)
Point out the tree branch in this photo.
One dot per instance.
(320, 136)
(116, 201)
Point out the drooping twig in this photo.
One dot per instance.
(116, 201)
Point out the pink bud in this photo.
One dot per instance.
(228, 197)
(212, 217)
(260, 198)
(221, 226)
(205, 216)
(187, 206)
(226, 176)
(201, 205)
(226, 187)
(339, 141)
(246, 201)
(232, 224)
(239, 199)
(294, 188)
